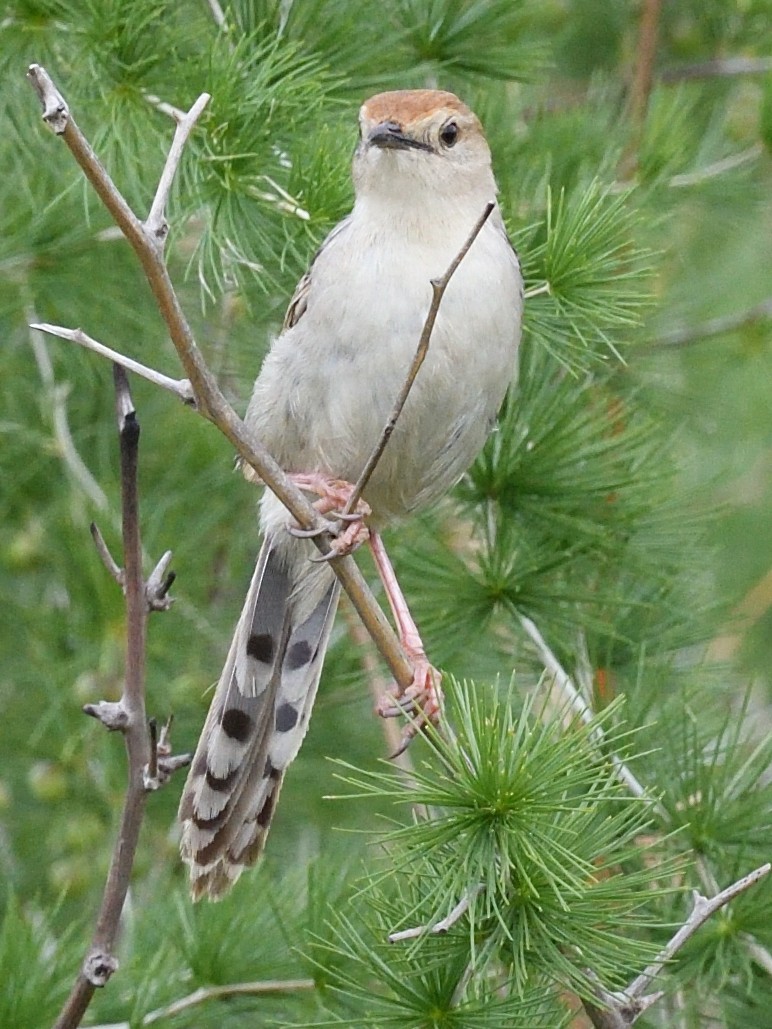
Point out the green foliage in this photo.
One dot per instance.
(34, 961)
(622, 506)
(593, 278)
(526, 818)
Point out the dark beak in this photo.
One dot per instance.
(389, 136)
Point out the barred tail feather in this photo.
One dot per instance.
(256, 723)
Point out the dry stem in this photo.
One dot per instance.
(621, 1010)
(579, 705)
(640, 89)
(128, 716)
(206, 993)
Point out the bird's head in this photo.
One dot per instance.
(418, 140)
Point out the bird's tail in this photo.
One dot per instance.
(257, 720)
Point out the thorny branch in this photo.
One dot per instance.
(621, 1010)
(207, 396)
(127, 715)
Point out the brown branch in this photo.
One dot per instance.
(100, 962)
(149, 761)
(621, 1010)
(209, 400)
(640, 88)
(438, 292)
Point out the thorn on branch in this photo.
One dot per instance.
(162, 763)
(56, 113)
(158, 585)
(113, 716)
(107, 558)
(98, 967)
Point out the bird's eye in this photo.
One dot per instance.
(449, 134)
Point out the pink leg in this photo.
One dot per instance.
(424, 694)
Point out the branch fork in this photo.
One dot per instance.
(622, 1009)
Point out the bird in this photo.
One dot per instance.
(422, 177)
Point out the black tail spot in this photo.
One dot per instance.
(236, 724)
(221, 785)
(286, 718)
(299, 654)
(260, 647)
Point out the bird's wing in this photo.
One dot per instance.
(299, 303)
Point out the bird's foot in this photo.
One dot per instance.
(421, 701)
(334, 497)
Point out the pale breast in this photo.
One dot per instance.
(330, 382)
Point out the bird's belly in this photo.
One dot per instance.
(329, 385)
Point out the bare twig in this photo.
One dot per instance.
(443, 926)
(579, 705)
(758, 953)
(209, 399)
(218, 14)
(712, 171)
(107, 558)
(179, 387)
(438, 292)
(702, 910)
(376, 683)
(158, 584)
(56, 395)
(127, 716)
(622, 1009)
(206, 993)
(156, 223)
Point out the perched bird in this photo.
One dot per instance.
(422, 177)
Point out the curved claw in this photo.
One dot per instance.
(304, 534)
(321, 558)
